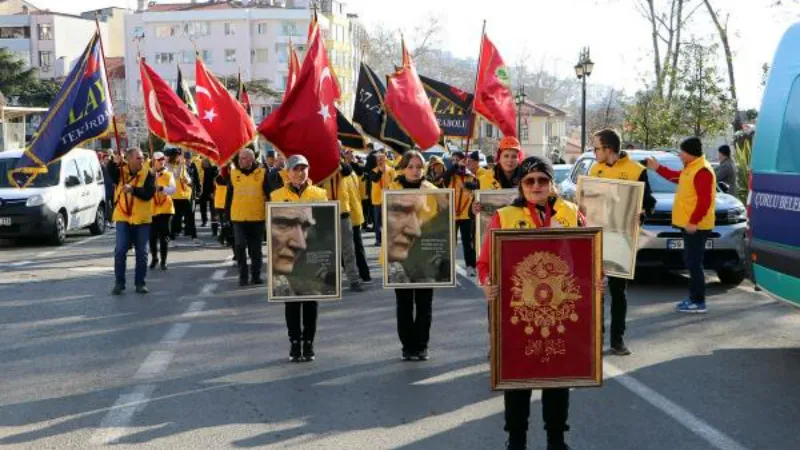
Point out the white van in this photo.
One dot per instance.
(71, 196)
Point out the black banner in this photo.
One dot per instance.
(348, 135)
(370, 114)
(451, 106)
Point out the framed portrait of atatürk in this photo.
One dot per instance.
(491, 200)
(546, 324)
(616, 207)
(418, 238)
(304, 251)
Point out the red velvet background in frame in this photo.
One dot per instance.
(547, 323)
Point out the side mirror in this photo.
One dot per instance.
(724, 187)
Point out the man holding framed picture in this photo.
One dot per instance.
(617, 165)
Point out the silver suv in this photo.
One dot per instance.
(660, 244)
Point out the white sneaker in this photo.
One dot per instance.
(471, 271)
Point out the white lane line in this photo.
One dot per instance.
(194, 309)
(114, 424)
(219, 275)
(693, 423)
(454, 374)
(155, 363)
(46, 254)
(208, 289)
(87, 240)
(175, 334)
(20, 263)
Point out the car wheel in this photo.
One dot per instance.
(99, 225)
(59, 230)
(730, 276)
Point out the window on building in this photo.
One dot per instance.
(196, 29)
(230, 55)
(175, 30)
(282, 52)
(45, 60)
(163, 31)
(187, 56)
(259, 55)
(488, 130)
(45, 32)
(523, 132)
(289, 28)
(165, 58)
(284, 82)
(261, 28)
(788, 158)
(15, 33)
(207, 57)
(230, 29)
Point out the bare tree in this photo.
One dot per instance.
(722, 31)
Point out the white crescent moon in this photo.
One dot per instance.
(202, 90)
(153, 110)
(326, 73)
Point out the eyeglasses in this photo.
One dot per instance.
(533, 181)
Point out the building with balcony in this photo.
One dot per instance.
(542, 131)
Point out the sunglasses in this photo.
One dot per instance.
(533, 181)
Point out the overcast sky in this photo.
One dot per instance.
(553, 31)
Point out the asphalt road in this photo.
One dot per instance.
(200, 363)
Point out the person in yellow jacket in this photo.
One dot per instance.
(133, 213)
(694, 214)
(182, 198)
(505, 174)
(246, 209)
(463, 182)
(412, 329)
(358, 218)
(536, 207)
(435, 171)
(301, 317)
(381, 176)
(163, 210)
(338, 189)
(221, 227)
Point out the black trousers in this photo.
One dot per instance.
(414, 332)
(159, 232)
(361, 256)
(465, 227)
(694, 249)
(619, 307)
(247, 238)
(206, 204)
(555, 410)
(183, 219)
(366, 205)
(305, 313)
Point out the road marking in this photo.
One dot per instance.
(454, 374)
(79, 243)
(219, 275)
(208, 289)
(115, 423)
(155, 363)
(194, 309)
(175, 334)
(693, 423)
(46, 254)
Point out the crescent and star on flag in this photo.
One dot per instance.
(324, 108)
(209, 114)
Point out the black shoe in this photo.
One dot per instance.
(117, 290)
(356, 287)
(163, 266)
(422, 355)
(294, 351)
(153, 263)
(142, 290)
(257, 280)
(618, 348)
(407, 355)
(204, 224)
(367, 281)
(242, 281)
(308, 351)
(517, 441)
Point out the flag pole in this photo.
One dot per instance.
(108, 80)
(474, 90)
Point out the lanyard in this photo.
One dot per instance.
(548, 214)
(127, 207)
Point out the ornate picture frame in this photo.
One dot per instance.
(546, 325)
(303, 251)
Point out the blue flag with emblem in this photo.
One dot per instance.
(80, 112)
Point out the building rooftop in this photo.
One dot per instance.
(213, 5)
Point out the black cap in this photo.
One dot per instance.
(724, 150)
(692, 146)
(475, 156)
(270, 153)
(457, 154)
(537, 164)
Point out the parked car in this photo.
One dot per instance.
(660, 244)
(562, 170)
(70, 196)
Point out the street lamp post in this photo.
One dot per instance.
(583, 70)
(519, 99)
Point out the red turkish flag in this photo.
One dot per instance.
(493, 97)
(169, 118)
(225, 118)
(408, 103)
(305, 123)
(294, 70)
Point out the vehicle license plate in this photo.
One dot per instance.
(5, 221)
(677, 244)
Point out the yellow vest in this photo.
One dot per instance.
(220, 192)
(686, 196)
(519, 217)
(487, 181)
(310, 194)
(624, 169)
(249, 201)
(362, 188)
(162, 203)
(378, 186)
(129, 208)
(336, 188)
(356, 210)
(463, 196)
(183, 188)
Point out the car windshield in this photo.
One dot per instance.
(561, 174)
(44, 180)
(659, 183)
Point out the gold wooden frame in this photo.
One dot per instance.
(337, 252)
(387, 194)
(479, 195)
(630, 216)
(499, 236)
